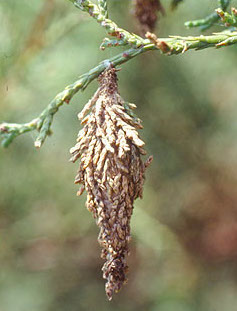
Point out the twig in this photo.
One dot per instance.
(228, 19)
(9, 131)
(111, 27)
(211, 19)
(111, 43)
(168, 46)
(103, 7)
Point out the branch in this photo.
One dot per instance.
(111, 43)
(211, 19)
(103, 7)
(228, 19)
(168, 46)
(111, 27)
(178, 44)
(9, 131)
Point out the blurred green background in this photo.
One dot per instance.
(184, 246)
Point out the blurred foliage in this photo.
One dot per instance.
(184, 248)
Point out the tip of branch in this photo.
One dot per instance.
(37, 144)
(3, 128)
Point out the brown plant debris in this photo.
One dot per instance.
(162, 45)
(146, 12)
(111, 171)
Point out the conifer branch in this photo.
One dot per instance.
(178, 44)
(169, 46)
(9, 131)
(111, 27)
(211, 19)
(111, 43)
(228, 19)
(103, 7)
